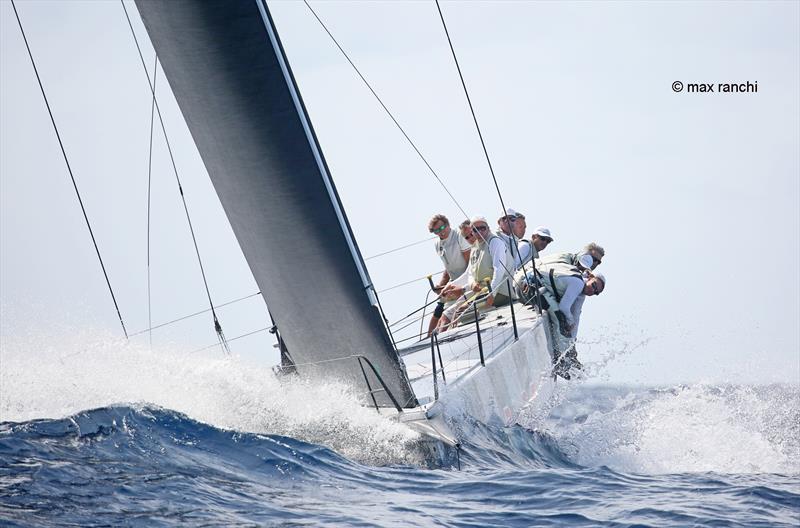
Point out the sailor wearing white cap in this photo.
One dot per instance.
(505, 221)
(529, 250)
(540, 238)
(600, 277)
(565, 288)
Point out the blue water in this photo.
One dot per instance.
(99, 432)
(612, 456)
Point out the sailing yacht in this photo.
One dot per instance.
(234, 85)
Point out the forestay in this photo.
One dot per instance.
(227, 69)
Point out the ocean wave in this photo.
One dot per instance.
(682, 429)
(124, 465)
(49, 377)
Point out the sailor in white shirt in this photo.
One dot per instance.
(526, 275)
(565, 290)
(511, 233)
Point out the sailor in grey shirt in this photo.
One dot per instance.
(451, 247)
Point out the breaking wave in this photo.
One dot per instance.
(96, 430)
(682, 429)
(56, 378)
(691, 428)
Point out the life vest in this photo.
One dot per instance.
(563, 258)
(481, 266)
(558, 267)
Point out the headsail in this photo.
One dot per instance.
(226, 66)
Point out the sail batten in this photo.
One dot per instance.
(225, 64)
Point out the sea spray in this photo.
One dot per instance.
(56, 376)
(702, 427)
(683, 429)
(686, 455)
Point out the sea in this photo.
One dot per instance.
(98, 432)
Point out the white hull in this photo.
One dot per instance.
(516, 375)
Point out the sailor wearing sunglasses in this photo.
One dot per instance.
(453, 250)
(564, 289)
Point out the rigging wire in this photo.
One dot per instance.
(485, 151)
(217, 326)
(149, 181)
(179, 319)
(406, 283)
(231, 339)
(427, 303)
(401, 247)
(69, 168)
(471, 109)
(388, 112)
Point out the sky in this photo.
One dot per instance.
(693, 195)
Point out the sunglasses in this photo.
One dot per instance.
(595, 289)
(439, 229)
(480, 228)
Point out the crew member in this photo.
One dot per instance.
(564, 289)
(511, 233)
(453, 250)
(540, 239)
(489, 259)
(586, 260)
(526, 277)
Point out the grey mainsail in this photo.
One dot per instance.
(225, 64)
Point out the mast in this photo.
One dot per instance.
(226, 66)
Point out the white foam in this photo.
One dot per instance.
(56, 375)
(688, 429)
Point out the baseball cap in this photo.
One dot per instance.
(543, 232)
